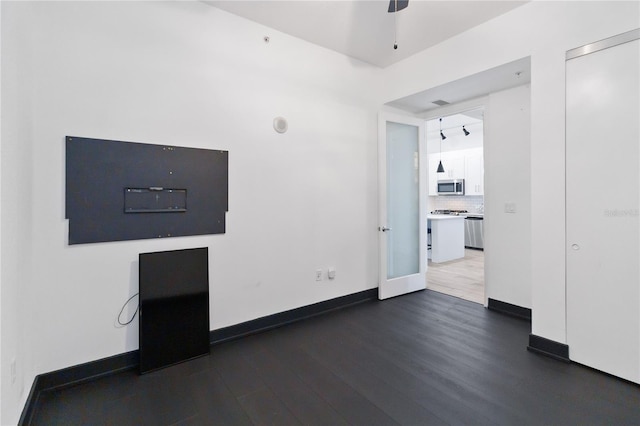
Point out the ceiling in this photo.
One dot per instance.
(363, 29)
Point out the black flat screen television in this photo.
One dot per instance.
(174, 307)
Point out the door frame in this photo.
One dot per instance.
(460, 108)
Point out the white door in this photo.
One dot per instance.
(603, 209)
(402, 205)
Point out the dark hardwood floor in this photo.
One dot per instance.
(420, 359)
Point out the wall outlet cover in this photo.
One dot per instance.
(510, 207)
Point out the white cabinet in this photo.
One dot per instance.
(453, 163)
(464, 164)
(447, 237)
(474, 173)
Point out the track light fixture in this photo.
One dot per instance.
(466, 132)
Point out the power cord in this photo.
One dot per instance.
(122, 310)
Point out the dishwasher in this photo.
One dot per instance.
(473, 234)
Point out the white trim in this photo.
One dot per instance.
(461, 108)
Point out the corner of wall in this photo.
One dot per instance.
(15, 226)
(508, 181)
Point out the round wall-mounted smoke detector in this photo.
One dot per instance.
(280, 124)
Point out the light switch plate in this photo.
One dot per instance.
(331, 273)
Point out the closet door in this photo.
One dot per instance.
(603, 209)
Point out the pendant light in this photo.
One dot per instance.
(442, 137)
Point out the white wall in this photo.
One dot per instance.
(1, 353)
(544, 31)
(16, 208)
(508, 180)
(186, 74)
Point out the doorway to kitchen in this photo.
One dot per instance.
(503, 96)
(455, 149)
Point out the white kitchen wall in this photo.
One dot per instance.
(186, 74)
(470, 203)
(544, 31)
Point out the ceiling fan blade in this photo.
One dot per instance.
(401, 5)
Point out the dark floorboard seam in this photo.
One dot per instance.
(92, 370)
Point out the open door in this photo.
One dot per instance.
(402, 205)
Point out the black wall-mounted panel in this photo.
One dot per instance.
(99, 173)
(174, 307)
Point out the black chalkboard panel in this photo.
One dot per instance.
(174, 307)
(129, 191)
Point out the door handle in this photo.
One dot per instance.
(575, 247)
(384, 229)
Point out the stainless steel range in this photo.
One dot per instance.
(452, 212)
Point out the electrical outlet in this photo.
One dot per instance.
(13, 371)
(318, 274)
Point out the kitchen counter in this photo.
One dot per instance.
(447, 237)
(444, 216)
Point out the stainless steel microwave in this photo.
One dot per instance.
(451, 187)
